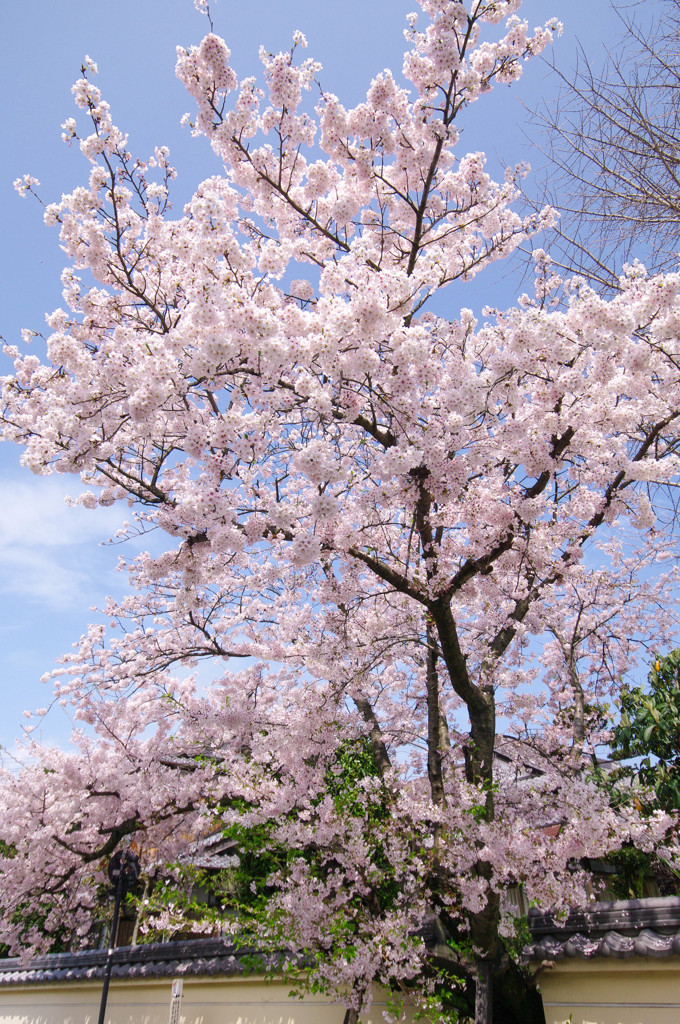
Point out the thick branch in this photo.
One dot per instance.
(382, 758)
(435, 732)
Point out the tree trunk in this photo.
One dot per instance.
(516, 1000)
(483, 993)
(479, 770)
(435, 730)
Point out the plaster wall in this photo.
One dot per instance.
(204, 1001)
(607, 991)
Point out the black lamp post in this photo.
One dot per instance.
(124, 871)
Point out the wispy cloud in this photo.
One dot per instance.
(48, 551)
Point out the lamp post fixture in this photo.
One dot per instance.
(124, 868)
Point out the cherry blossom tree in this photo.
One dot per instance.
(382, 519)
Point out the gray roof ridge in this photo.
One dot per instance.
(204, 956)
(618, 928)
(656, 911)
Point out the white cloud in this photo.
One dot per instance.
(48, 551)
(33, 511)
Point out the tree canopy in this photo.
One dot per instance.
(612, 142)
(648, 731)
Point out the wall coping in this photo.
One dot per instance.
(619, 928)
(190, 957)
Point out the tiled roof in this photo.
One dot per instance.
(155, 960)
(213, 852)
(622, 928)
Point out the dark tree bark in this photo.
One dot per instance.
(516, 1000)
(483, 993)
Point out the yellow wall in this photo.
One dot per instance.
(635, 991)
(612, 991)
(204, 1001)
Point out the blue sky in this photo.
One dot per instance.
(52, 567)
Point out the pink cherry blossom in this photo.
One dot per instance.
(383, 524)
